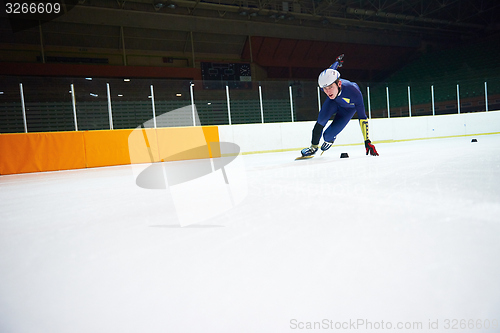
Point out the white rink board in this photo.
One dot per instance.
(487, 122)
(254, 138)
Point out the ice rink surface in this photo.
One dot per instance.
(401, 242)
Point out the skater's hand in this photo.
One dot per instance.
(370, 148)
(339, 60)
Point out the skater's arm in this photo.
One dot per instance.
(370, 148)
(338, 62)
(363, 123)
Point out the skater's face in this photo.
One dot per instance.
(333, 89)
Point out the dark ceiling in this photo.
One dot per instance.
(287, 38)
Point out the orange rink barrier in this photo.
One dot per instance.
(106, 148)
(187, 143)
(35, 152)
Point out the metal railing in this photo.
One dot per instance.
(41, 104)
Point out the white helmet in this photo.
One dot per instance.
(327, 77)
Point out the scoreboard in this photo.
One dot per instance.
(217, 75)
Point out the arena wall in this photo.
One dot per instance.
(36, 152)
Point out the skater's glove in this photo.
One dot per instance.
(339, 60)
(370, 148)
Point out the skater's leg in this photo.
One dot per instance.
(340, 121)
